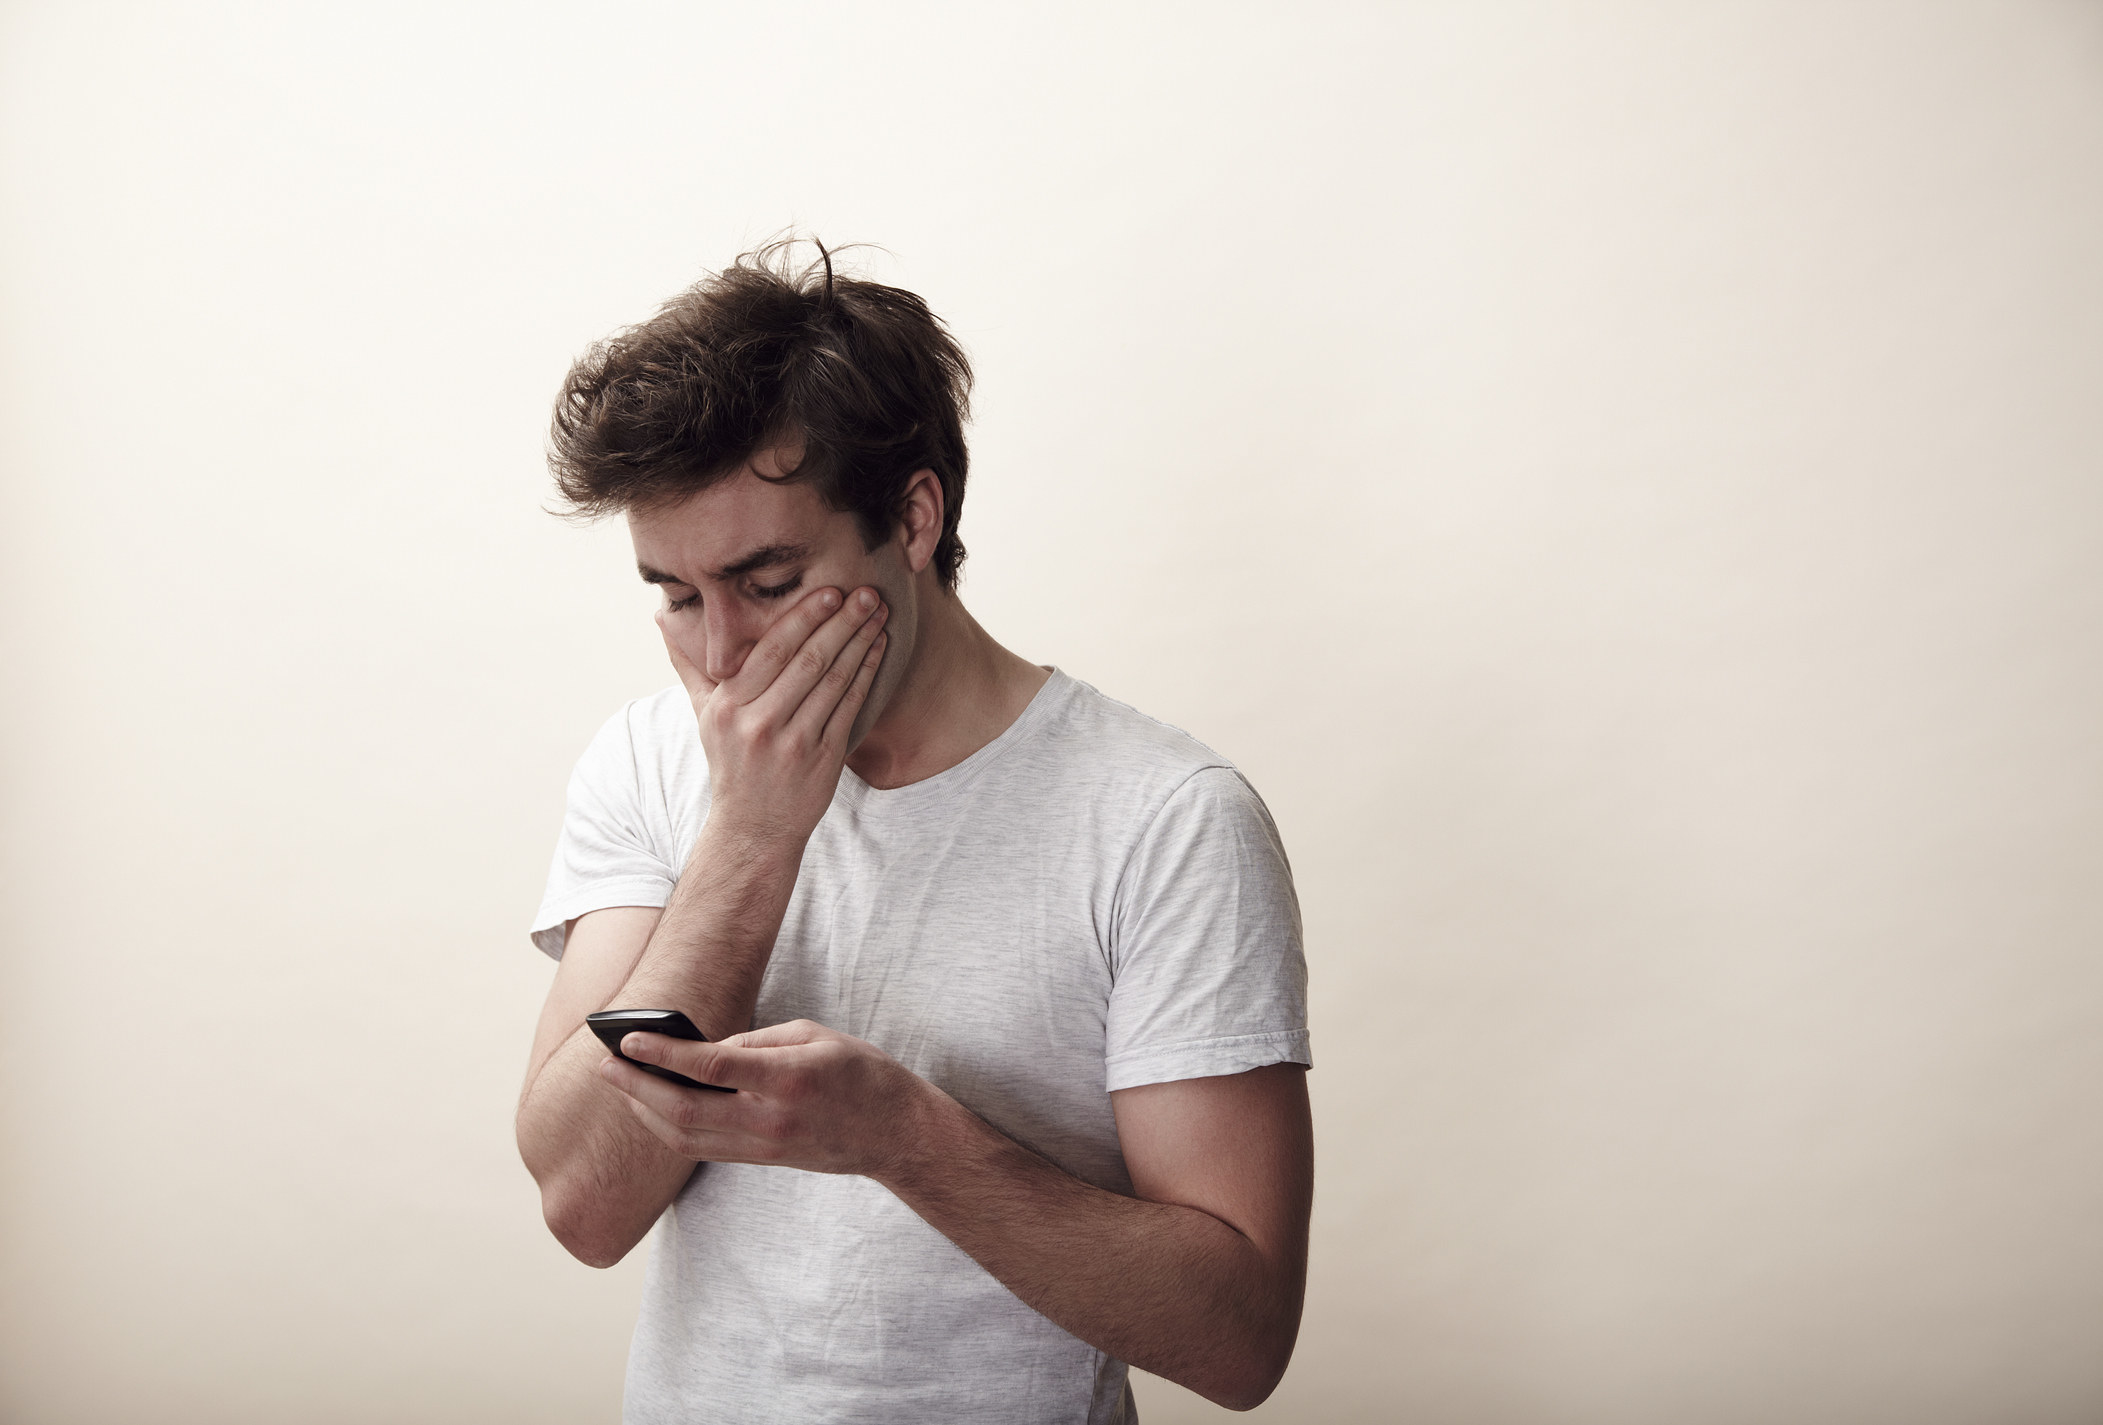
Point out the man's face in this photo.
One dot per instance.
(736, 557)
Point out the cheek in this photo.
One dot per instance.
(898, 655)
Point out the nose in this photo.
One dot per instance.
(731, 633)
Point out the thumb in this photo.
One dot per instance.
(776, 1036)
(718, 1063)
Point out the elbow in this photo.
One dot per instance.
(1247, 1391)
(579, 1237)
(580, 1225)
(587, 1249)
(1248, 1380)
(572, 1204)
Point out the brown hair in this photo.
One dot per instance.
(762, 354)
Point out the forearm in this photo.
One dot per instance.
(1171, 1289)
(710, 949)
(604, 1177)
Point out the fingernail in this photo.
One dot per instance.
(865, 600)
(829, 598)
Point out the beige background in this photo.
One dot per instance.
(1626, 481)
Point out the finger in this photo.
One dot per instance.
(824, 695)
(677, 1104)
(841, 721)
(697, 683)
(807, 670)
(698, 1059)
(775, 1036)
(780, 643)
(701, 1144)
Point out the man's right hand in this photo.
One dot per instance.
(776, 730)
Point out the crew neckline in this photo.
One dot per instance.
(863, 797)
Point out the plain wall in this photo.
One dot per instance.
(1625, 481)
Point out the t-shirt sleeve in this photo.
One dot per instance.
(1208, 972)
(608, 853)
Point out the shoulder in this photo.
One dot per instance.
(665, 717)
(1123, 739)
(648, 741)
(1140, 763)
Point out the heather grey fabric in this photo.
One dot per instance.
(1093, 901)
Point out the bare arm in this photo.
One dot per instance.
(1198, 1278)
(575, 1150)
(776, 735)
(603, 1178)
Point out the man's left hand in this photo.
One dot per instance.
(807, 1097)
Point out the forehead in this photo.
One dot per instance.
(727, 522)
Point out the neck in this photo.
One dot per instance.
(961, 690)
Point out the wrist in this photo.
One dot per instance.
(924, 1131)
(731, 838)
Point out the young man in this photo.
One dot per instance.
(1006, 976)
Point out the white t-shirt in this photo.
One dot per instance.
(1092, 901)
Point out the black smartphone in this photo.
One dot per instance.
(611, 1024)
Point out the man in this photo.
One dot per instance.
(1006, 977)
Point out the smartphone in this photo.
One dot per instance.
(611, 1024)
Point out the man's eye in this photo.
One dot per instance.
(675, 605)
(775, 591)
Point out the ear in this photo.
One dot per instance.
(920, 519)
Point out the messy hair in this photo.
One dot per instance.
(762, 354)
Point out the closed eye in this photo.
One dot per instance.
(776, 591)
(675, 605)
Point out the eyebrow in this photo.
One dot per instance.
(769, 556)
